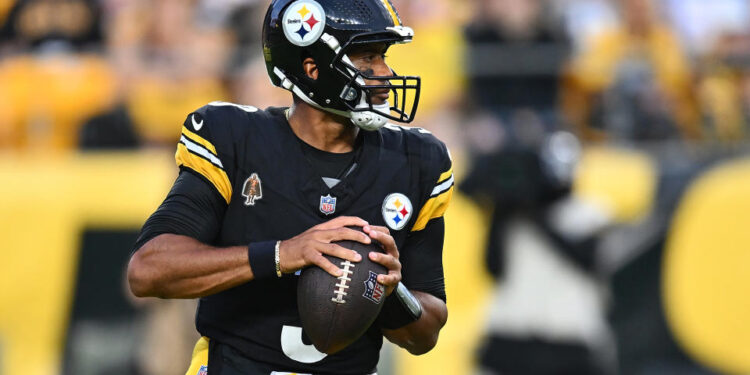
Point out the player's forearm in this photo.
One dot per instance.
(421, 336)
(173, 266)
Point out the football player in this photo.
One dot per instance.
(262, 194)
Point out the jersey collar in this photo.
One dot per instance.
(311, 186)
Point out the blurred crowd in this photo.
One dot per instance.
(123, 73)
(517, 88)
(662, 87)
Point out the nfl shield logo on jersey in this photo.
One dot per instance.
(203, 370)
(327, 204)
(396, 210)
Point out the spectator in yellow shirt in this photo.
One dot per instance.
(633, 82)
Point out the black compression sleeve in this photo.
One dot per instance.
(422, 259)
(192, 208)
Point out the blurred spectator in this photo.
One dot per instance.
(584, 19)
(110, 130)
(723, 88)
(46, 97)
(439, 47)
(52, 24)
(547, 315)
(52, 77)
(633, 82)
(5, 6)
(169, 64)
(243, 18)
(718, 35)
(248, 85)
(437, 55)
(515, 54)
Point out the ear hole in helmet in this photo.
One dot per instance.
(304, 55)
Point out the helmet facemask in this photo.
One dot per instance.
(357, 94)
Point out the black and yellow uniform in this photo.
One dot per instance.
(247, 179)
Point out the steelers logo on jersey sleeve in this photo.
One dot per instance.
(303, 22)
(397, 210)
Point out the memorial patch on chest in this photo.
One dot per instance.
(252, 190)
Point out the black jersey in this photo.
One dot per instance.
(401, 178)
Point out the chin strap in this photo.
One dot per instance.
(367, 120)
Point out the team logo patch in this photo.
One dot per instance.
(397, 210)
(303, 22)
(327, 204)
(374, 291)
(252, 190)
(203, 370)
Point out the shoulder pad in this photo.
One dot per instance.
(207, 142)
(435, 165)
(430, 151)
(246, 108)
(225, 115)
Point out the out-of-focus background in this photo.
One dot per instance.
(602, 218)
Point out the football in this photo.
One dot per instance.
(335, 312)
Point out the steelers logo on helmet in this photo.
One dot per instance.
(397, 210)
(303, 22)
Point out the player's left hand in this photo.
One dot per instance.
(389, 259)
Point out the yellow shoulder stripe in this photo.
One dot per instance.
(434, 208)
(198, 139)
(440, 197)
(210, 171)
(200, 356)
(444, 176)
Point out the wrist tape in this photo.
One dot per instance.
(400, 309)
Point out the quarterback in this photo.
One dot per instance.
(262, 194)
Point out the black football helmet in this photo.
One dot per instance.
(325, 30)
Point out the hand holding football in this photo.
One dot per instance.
(335, 312)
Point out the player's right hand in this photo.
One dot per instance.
(308, 247)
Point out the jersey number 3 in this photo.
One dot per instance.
(294, 348)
